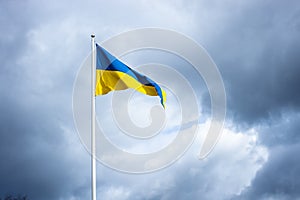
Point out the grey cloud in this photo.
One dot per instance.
(34, 161)
(284, 132)
(279, 178)
(34, 157)
(256, 50)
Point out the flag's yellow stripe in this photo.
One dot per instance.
(107, 81)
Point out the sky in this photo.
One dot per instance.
(255, 45)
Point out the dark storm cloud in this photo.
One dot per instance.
(256, 48)
(34, 161)
(279, 178)
(283, 132)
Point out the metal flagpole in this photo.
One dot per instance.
(93, 142)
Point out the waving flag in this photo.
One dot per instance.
(112, 74)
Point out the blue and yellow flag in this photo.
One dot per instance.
(112, 74)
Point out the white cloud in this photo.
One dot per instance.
(224, 173)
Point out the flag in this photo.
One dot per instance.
(112, 74)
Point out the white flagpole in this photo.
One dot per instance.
(93, 136)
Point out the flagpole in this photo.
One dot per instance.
(93, 136)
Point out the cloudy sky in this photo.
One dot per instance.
(255, 45)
